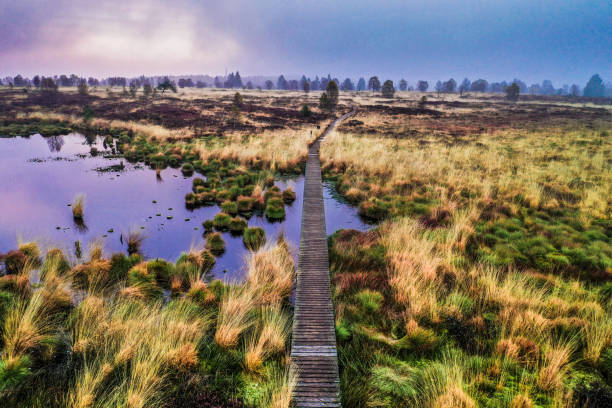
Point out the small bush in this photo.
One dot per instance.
(208, 226)
(215, 243)
(369, 300)
(230, 207)
(222, 221)
(237, 225)
(275, 209)
(288, 195)
(254, 238)
(187, 169)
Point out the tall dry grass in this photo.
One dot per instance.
(506, 164)
(148, 130)
(143, 342)
(274, 149)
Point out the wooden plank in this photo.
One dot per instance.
(314, 357)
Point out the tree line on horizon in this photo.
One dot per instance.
(595, 87)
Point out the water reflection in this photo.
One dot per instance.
(121, 197)
(55, 143)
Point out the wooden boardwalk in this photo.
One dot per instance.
(313, 345)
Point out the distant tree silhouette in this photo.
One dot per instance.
(165, 85)
(438, 87)
(547, 87)
(347, 85)
(218, 82)
(281, 83)
(480, 85)
(388, 89)
(293, 85)
(574, 90)
(237, 80)
(147, 89)
(374, 84)
(19, 81)
(36, 81)
(200, 84)
(403, 85)
(316, 84)
(323, 83)
(522, 86)
(361, 85)
(422, 86)
(48, 85)
(465, 86)
(449, 86)
(238, 101)
(82, 87)
(512, 92)
(595, 87)
(269, 84)
(329, 98)
(306, 86)
(249, 85)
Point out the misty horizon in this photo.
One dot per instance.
(562, 41)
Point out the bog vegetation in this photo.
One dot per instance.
(485, 283)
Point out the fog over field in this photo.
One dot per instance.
(561, 40)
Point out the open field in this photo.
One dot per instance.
(485, 281)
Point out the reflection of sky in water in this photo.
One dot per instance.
(39, 177)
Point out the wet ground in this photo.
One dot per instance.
(40, 176)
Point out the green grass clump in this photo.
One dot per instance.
(245, 204)
(275, 209)
(162, 271)
(208, 226)
(237, 225)
(191, 200)
(215, 243)
(222, 221)
(288, 195)
(374, 209)
(187, 169)
(254, 238)
(230, 207)
(369, 300)
(145, 281)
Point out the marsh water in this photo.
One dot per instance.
(40, 176)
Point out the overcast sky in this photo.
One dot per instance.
(562, 40)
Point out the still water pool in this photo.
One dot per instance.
(40, 176)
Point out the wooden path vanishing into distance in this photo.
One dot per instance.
(313, 346)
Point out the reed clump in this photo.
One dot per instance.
(78, 207)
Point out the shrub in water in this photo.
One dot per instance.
(78, 207)
(197, 182)
(187, 169)
(190, 200)
(144, 281)
(162, 271)
(55, 259)
(215, 243)
(288, 195)
(14, 261)
(254, 238)
(120, 266)
(245, 204)
(208, 226)
(237, 225)
(222, 221)
(374, 209)
(272, 192)
(230, 207)
(275, 209)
